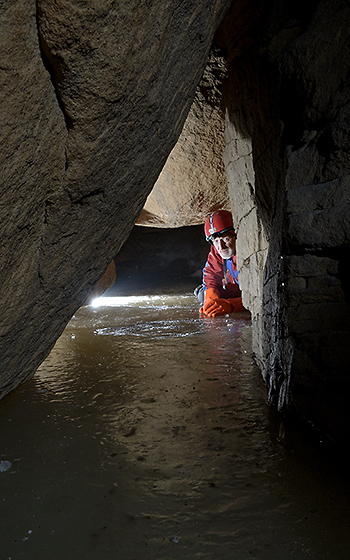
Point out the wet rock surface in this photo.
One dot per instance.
(95, 96)
(287, 164)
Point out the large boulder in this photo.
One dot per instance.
(193, 181)
(94, 97)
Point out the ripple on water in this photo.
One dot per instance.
(154, 329)
(145, 434)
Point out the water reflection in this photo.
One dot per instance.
(145, 434)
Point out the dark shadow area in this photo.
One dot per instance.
(157, 260)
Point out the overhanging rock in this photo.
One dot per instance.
(94, 98)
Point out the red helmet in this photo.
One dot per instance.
(218, 222)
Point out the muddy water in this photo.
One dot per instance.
(145, 435)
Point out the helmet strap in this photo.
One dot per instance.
(225, 271)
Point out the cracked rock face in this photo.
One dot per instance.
(287, 164)
(94, 97)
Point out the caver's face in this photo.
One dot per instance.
(225, 245)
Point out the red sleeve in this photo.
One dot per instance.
(213, 272)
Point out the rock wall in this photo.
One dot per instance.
(193, 181)
(93, 98)
(287, 163)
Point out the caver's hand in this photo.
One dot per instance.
(237, 304)
(216, 306)
(210, 295)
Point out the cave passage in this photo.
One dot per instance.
(146, 434)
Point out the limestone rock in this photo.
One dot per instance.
(287, 164)
(94, 97)
(319, 215)
(193, 182)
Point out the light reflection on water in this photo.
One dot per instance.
(145, 434)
